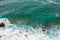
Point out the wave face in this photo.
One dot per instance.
(30, 19)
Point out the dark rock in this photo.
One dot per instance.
(2, 24)
(43, 30)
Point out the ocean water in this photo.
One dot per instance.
(30, 19)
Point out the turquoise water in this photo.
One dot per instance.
(32, 13)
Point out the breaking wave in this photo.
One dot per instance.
(23, 19)
(26, 32)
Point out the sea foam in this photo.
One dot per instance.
(12, 32)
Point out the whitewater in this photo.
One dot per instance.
(23, 19)
(12, 32)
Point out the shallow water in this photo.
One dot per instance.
(25, 19)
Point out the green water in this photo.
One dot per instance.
(30, 12)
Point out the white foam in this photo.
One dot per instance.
(12, 32)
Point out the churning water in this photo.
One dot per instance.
(30, 19)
